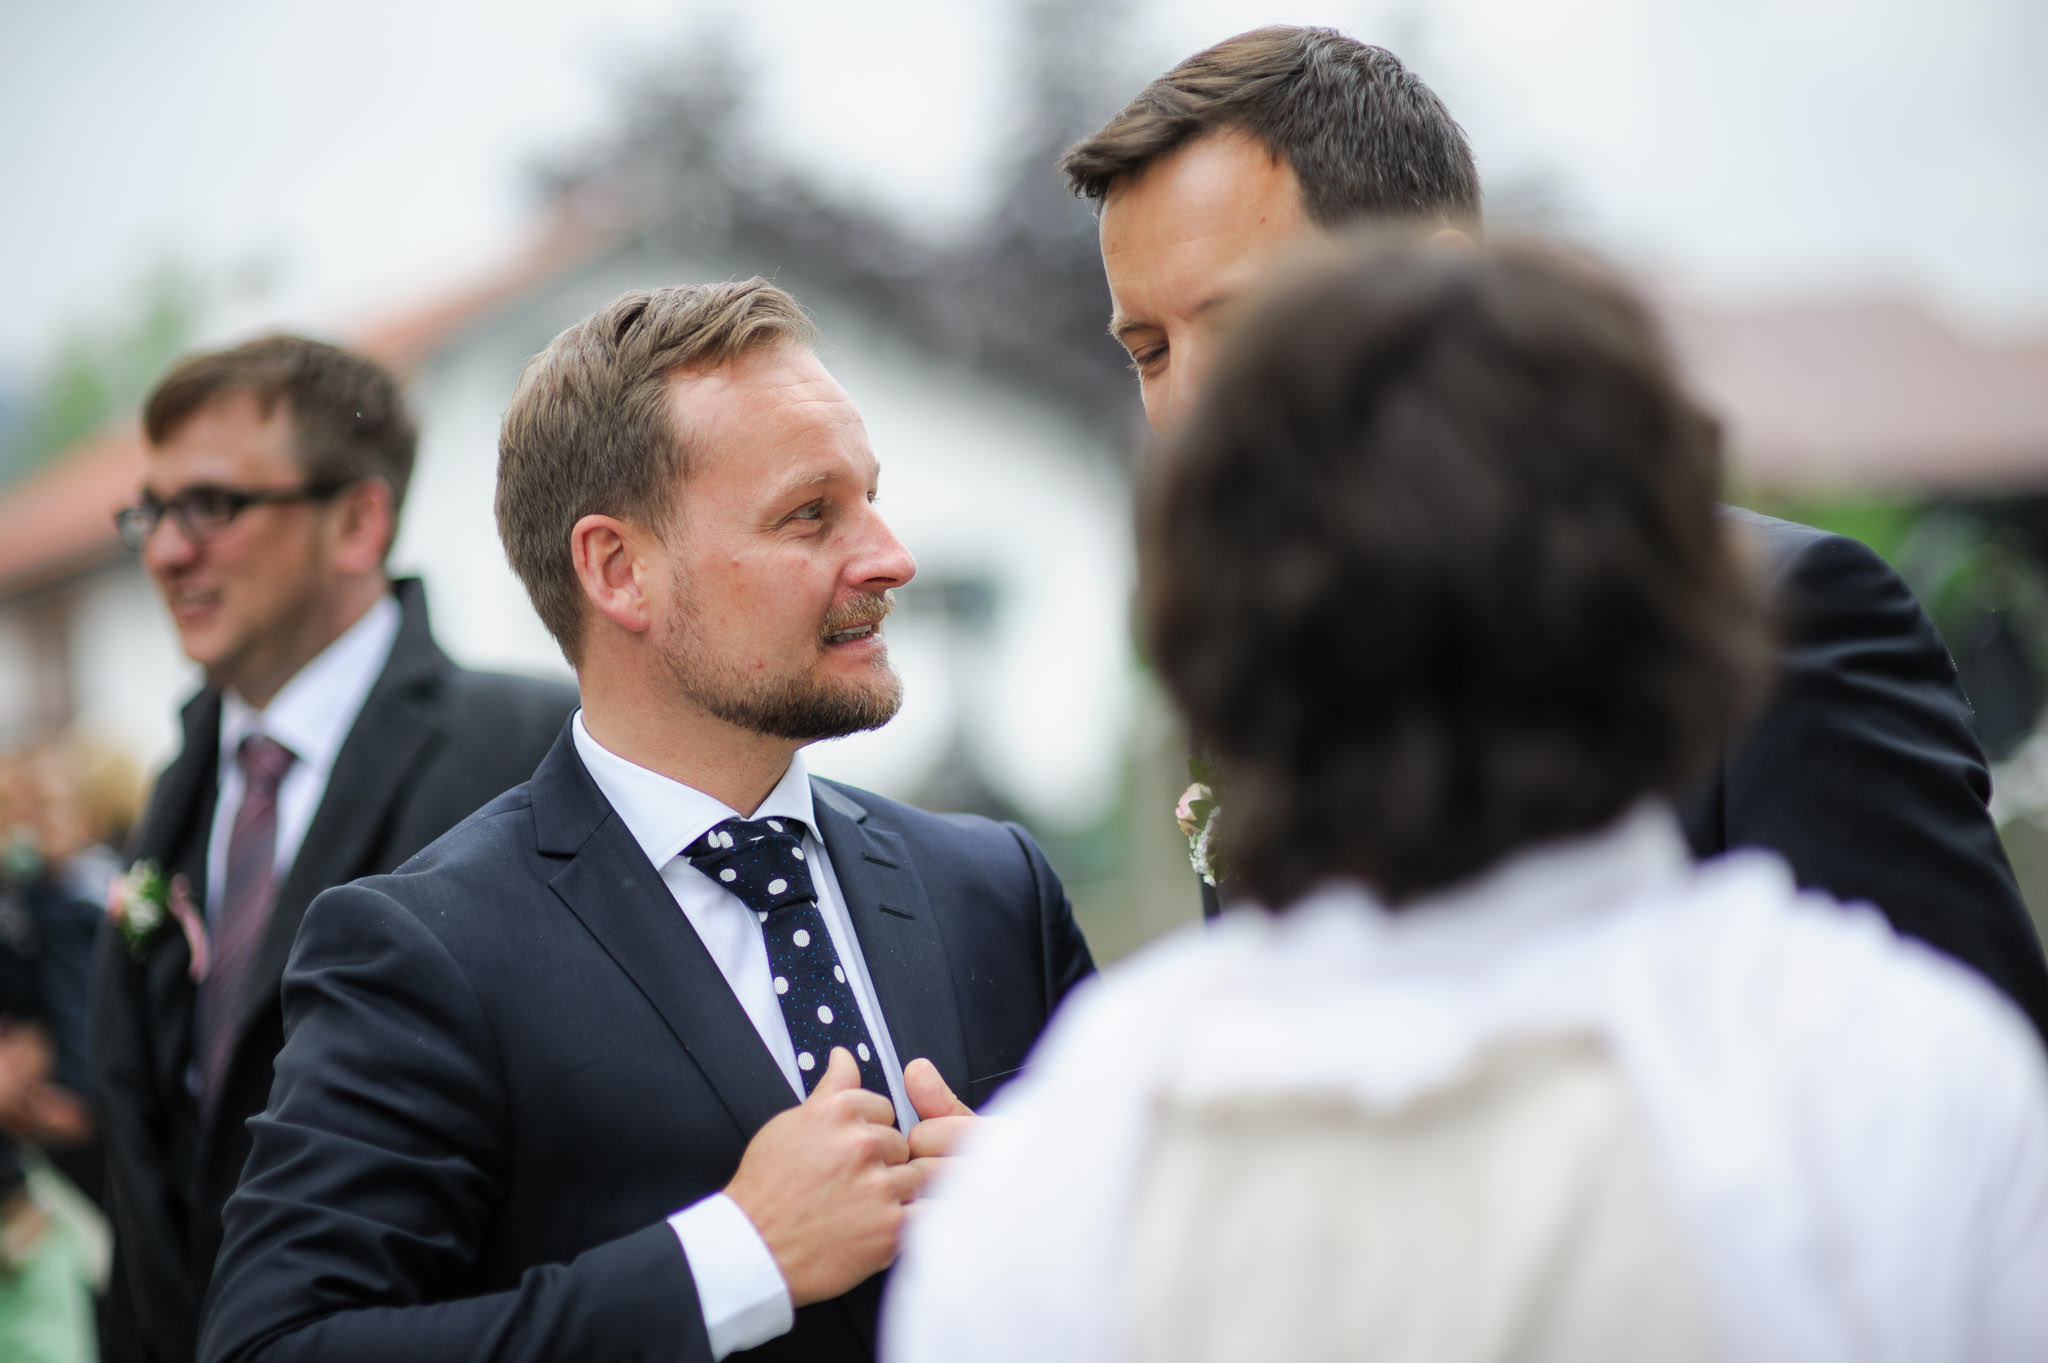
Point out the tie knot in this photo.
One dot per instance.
(759, 860)
(264, 761)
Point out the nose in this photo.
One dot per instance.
(885, 563)
(168, 546)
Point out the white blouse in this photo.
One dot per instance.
(1851, 1132)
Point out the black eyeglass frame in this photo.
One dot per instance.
(137, 521)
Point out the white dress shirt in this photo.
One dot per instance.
(311, 714)
(739, 1288)
(1851, 1131)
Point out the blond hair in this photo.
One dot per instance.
(589, 432)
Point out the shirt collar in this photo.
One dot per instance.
(312, 713)
(664, 815)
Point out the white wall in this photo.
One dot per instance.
(128, 673)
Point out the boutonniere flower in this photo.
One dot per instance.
(1196, 814)
(144, 902)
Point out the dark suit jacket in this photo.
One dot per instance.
(1864, 770)
(508, 1063)
(432, 744)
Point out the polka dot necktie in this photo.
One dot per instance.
(762, 862)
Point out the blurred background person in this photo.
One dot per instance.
(1863, 769)
(1492, 1069)
(67, 802)
(332, 740)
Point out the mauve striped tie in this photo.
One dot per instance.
(246, 895)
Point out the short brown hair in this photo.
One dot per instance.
(1363, 135)
(1436, 569)
(349, 419)
(589, 432)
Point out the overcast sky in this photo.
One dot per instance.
(349, 158)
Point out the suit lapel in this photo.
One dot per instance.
(608, 884)
(173, 834)
(899, 934)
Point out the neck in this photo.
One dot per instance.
(327, 622)
(668, 735)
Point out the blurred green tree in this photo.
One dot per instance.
(100, 370)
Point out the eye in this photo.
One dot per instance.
(813, 511)
(210, 506)
(1146, 358)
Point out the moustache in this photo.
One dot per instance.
(859, 612)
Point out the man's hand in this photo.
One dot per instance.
(825, 1182)
(946, 1120)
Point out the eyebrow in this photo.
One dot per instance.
(806, 482)
(1121, 326)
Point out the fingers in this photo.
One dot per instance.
(839, 1091)
(937, 1137)
(929, 1093)
(842, 1072)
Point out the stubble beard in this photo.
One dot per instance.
(805, 709)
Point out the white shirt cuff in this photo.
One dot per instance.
(739, 1289)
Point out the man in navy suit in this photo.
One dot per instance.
(1864, 771)
(648, 1058)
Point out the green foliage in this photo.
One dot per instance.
(1882, 521)
(99, 371)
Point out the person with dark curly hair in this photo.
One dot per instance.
(1863, 769)
(1487, 1067)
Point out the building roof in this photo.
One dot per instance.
(1871, 394)
(59, 520)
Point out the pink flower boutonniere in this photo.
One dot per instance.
(145, 901)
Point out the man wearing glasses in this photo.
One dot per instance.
(333, 740)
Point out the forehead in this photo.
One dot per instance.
(227, 439)
(1201, 217)
(769, 414)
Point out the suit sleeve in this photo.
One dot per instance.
(1865, 771)
(374, 1172)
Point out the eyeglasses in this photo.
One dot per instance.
(205, 511)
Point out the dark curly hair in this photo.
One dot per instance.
(1436, 569)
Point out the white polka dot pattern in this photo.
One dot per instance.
(762, 864)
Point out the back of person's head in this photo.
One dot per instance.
(1363, 135)
(1436, 568)
(589, 431)
(349, 420)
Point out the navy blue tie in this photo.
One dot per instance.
(762, 862)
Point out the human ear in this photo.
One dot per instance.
(365, 521)
(606, 554)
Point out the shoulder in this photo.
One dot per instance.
(492, 731)
(504, 697)
(471, 875)
(1844, 1005)
(966, 835)
(1817, 567)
